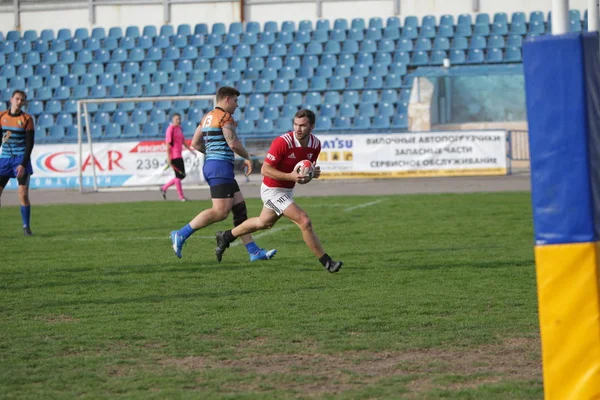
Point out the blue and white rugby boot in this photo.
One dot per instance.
(263, 254)
(177, 243)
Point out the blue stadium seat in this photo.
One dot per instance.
(495, 42)
(337, 83)
(481, 29)
(275, 99)
(62, 93)
(410, 32)
(207, 87)
(482, 18)
(43, 93)
(381, 122)
(399, 121)
(15, 59)
(64, 34)
(390, 96)
(512, 54)
(158, 116)
(264, 126)
(356, 83)
(356, 34)
(97, 92)
(373, 82)
(253, 26)
(419, 58)
(463, 31)
(134, 90)
(365, 58)
(313, 99)
(131, 130)
(116, 91)
(35, 107)
(500, 29)
(323, 124)
(246, 126)
(296, 49)
(347, 110)
(437, 57)
(56, 132)
(457, 57)
(350, 97)
(342, 122)
(60, 69)
(368, 46)
(45, 121)
(132, 32)
(108, 107)
(423, 44)
(477, 42)
(8, 71)
(201, 29)
(271, 112)
(299, 84)
(281, 85)
(88, 80)
(101, 118)
(40, 46)
(25, 70)
(494, 56)
(249, 38)
(23, 46)
(514, 41)
(441, 43)
(310, 61)
(64, 120)
(142, 78)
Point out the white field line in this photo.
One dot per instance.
(363, 205)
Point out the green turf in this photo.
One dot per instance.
(436, 299)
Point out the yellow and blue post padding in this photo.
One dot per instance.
(562, 83)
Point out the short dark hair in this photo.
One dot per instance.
(227, 91)
(308, 114)
(175, 115)
(21, 92)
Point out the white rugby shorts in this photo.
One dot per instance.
(277, 199)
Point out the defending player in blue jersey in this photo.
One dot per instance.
(15, 158)
(216, 137)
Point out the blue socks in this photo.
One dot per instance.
(186, 232)
(25, 215)
(252, 248)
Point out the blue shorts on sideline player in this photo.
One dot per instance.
(8, 166)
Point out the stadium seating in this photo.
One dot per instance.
(352, 72)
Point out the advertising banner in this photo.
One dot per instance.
(118, 164)
(413, 154)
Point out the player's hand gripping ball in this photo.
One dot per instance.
(306, 170)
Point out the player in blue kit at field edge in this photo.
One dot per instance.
(15, 158)
(216, 137)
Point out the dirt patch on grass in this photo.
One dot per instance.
(419, 370)
(56, 319)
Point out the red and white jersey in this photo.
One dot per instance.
(285, 152)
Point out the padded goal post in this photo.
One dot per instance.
(562, 82)
(84, 130)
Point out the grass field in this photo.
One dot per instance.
(436, 300)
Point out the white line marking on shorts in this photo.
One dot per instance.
(371, 203)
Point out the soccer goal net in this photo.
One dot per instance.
(126, 146)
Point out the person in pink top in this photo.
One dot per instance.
(175, 142)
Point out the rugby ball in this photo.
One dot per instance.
(305, 169)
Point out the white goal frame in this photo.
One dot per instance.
(82, 112)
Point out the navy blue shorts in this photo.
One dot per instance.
(217, 172)
(8, 166)
(8, 170)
